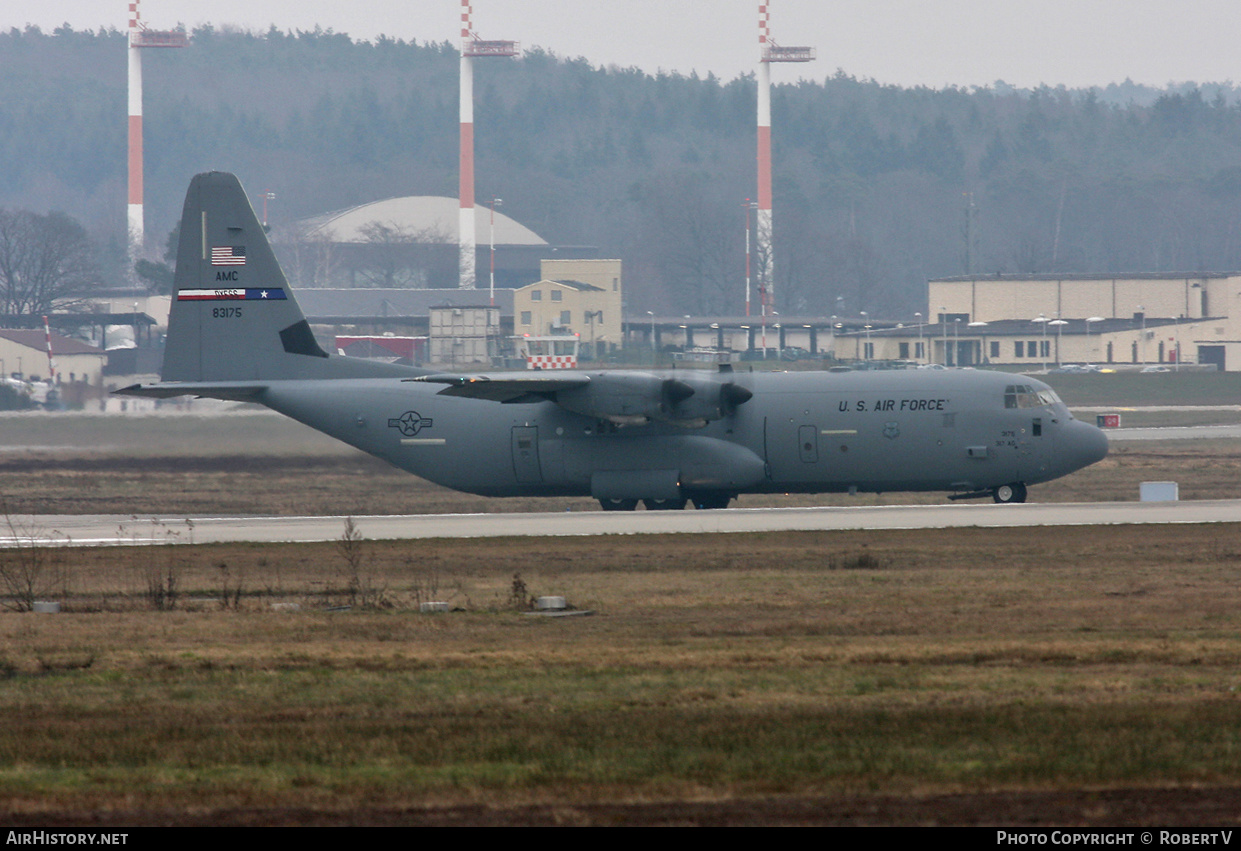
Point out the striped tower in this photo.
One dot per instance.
(135, 131)
(763, 218)
(465, 226)
(51, 363)
(768, 52)
(470, 48)
(140, 37)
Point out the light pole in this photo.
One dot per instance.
(1142, 341)
(1177, 320)
(866, 329)
(982, 352)
(267, 196)
(1090, 351)
(943, 330)
(749, 205)
(918, 354)
(1059, 323)
(763, 310)
(1042, 320)
(591, 316)
(495, 202)
(651, 314)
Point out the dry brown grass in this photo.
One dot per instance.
(714, 667)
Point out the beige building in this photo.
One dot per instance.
(79, 366)
(1031, 320)
(23, 353)
(581, 297)
(1186, 297)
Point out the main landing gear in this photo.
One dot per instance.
(704, 500)
(1015, 492)
(664, 504)
(618, 504)
(1012, 492)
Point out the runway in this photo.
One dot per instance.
(103, 530)
(1214, 432)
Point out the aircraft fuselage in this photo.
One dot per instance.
(954, 430)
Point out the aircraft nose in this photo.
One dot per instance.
(1086, 444)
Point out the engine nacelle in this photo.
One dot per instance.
(639, 398)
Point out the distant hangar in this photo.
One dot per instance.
(411, 241)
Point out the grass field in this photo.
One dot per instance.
(743, 668)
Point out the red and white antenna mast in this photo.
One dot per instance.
(471, 46)
(768, 52)
(140, 37)
(51, 363)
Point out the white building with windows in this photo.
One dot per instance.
(1035, 320)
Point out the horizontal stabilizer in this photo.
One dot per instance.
(231, 391)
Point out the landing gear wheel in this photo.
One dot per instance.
(710, 499)
(1015, 492)
(618, 504)
(664, 504)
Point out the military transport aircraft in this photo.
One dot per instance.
(621, 436)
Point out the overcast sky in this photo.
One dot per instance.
(906, 42)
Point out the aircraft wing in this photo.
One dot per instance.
(623, 397)
(506, 388)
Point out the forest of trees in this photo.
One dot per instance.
(872, 182)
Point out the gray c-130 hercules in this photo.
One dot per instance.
(621, 436)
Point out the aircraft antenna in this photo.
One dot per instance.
(140, 37)
(768, 52)
(471, 46)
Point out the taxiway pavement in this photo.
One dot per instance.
(101, 530)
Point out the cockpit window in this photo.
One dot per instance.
(1025, 396)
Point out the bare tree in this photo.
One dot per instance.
(31, 566)
(396, 256)
(306, 254)
(45, 262)
(692, 238)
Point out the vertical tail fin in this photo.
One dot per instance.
(233, 315)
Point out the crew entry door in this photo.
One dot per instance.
(526, 455)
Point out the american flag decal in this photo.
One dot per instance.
(228, 255)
